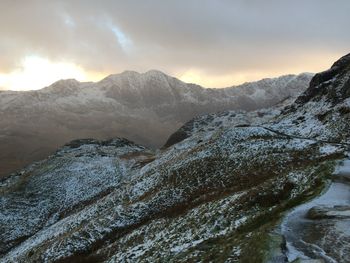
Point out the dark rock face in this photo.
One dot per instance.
(322, 111)
(176, 137)
(335, 212)
(321, 83)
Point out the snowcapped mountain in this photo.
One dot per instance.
(217, 192)
(145, 108)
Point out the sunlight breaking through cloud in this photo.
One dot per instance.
(36, 72)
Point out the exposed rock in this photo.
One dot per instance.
(342, 174)
(321, 212)
(320, 83)
(309, 261)
(176, 137)
(327, 100)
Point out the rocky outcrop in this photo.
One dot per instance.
(309, 261)
(335, 212)
(322, 112)
(325, 84)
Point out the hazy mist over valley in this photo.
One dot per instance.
(144, 108)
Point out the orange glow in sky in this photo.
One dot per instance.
(37, 72)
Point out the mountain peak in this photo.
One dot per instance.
(125, 73)
(62, 85)
(155, 72)
(342, 62)
(66, 81)
(135, 74)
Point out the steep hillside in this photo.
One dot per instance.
(145, 108)
(214, 195)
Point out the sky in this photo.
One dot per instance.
(214, 43)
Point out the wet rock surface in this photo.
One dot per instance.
(324, 212)
(320, 228)
(309, 261)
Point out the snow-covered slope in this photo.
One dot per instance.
(145, 108)
(215, 195)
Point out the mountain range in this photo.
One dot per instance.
(145, 108)
(220, 190)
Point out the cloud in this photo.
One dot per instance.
(214, 37)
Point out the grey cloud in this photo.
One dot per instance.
(213, 35)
